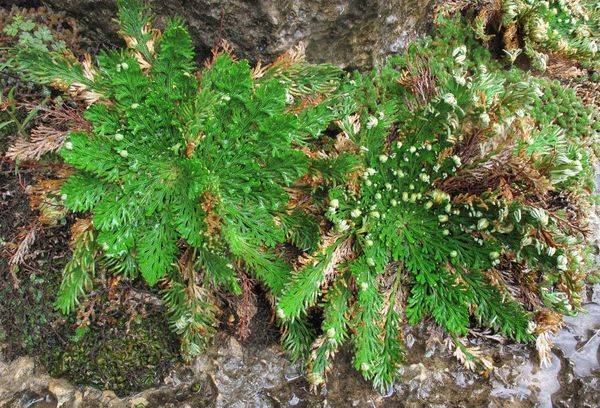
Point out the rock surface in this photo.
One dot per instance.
(349, 33)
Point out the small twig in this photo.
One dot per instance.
(588, 341)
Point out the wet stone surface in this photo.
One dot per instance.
(348, 33)
(259, 375)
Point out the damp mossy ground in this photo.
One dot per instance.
(110, 353)
(117, 356)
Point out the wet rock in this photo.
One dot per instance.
(62, 390)
(350, 33)
(589, 394)
(30, 399)
(259, 375)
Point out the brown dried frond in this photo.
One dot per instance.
(88, 68)
(44, 139)
(350, 124)
(142, 62)
(503, 169)
(48, 137)
(327, 240)
(420, 82)
(21, 252)
(80, 91)
(156, 33)
(510, 38)
(394, 296)
(154, 36)
(473, 358)
(470, 147)
(344, 144)
(312, 180)
(516, 280)
(450, 7)
(222, 47)
(510, 278)
(548, 321)
(468, 198)
(259, 70)
(306, 102)
(212, 219)
(44, 197)
(130, 42)
(291, 57)
(482, 19)
(316, 381)
(41, 188)
(245, 306)
(61, 116)
(86, 312)
(78, 229)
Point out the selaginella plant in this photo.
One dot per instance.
(538, 29)
(469, 208)
(184, 172)
(455, 190)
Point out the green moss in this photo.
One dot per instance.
(119, 359)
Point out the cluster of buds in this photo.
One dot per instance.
(450, 99)
(540, 215)
(334, 205)
(440, 196)
(372, 122)
(460, 54)
(123, 66)
(562, 262)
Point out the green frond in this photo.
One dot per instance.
(78, 274)
(51, 68)
(296, 338)
(304, 287)
(174, 65)
(156, 250)
(302, 230)
(366, 338)
(193, 314)
(273, 272)
(336, 309)
(219, 271)
(81, 192)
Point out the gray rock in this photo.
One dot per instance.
(349, 33)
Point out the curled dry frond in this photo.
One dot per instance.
(21, 252)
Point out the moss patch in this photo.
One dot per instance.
(117, 359)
